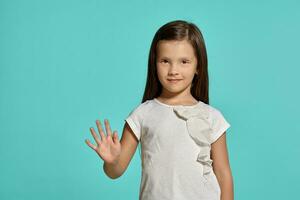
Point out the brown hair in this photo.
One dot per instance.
(179, 30)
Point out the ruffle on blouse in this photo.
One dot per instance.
(199, 128)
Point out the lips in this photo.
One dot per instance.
(174, 80)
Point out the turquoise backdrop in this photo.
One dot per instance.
(66, 63)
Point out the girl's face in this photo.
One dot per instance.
(176, 66)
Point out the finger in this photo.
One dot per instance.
(90, 144)
(115, 137)
(107, 128)
(95, 135)
(99, 126)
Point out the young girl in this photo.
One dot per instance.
(183, 142)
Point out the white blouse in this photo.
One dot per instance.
(175, 149)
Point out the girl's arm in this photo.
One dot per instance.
(221, 167)
(129, 144)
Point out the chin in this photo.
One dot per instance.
(174, 90)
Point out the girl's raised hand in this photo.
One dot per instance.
(109, 147)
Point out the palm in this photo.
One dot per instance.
(108, 151)
(109, 147)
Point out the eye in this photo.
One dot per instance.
(164, 61)
(185, 61)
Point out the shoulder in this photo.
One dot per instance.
(217, 118)
(214, 114)
(218, 123)
(212, 110)
(142, 108)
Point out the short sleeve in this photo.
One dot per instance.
(134, 120)
(218, 124)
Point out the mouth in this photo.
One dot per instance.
(174, 80)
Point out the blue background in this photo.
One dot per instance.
(64, 64)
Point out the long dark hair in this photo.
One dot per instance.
(179, 30)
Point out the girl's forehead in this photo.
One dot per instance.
(172, 48)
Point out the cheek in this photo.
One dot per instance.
(160, 71)
(188, 77)
(191, 72)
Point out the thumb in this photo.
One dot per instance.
(115, 137)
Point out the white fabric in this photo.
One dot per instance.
(175, 145)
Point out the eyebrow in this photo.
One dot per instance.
(186, 58)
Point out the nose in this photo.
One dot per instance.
(172, 70)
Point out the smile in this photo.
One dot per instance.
(174, 80)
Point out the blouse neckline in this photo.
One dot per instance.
(172, 106)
